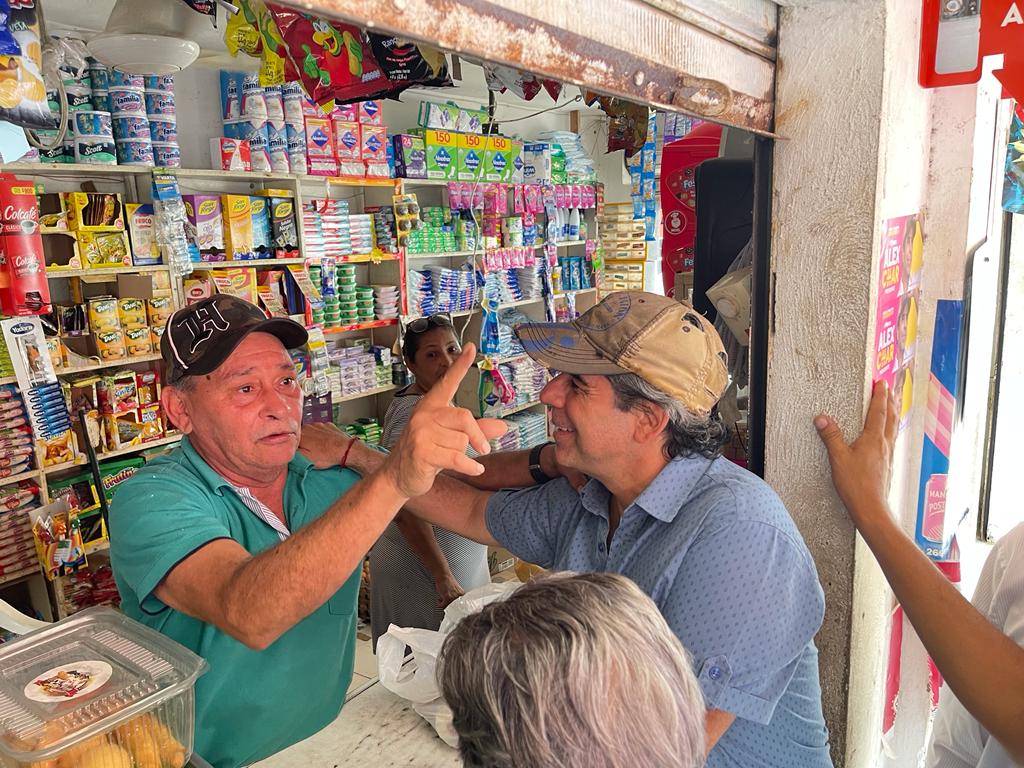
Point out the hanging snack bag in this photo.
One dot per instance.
(242, 32)
(405, 65)
(329, 58)
(22, 93)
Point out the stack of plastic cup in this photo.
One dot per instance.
(163, 121)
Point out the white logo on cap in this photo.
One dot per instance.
(202, 323)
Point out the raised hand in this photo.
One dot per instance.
(862, 470)
(437, 435)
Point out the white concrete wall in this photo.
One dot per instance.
(862, 142)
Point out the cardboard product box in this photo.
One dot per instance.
(438, 117)
(205, 214)
(53, 212)
(371, 112)
(152, 420)
(516, 162)
(138, 341)
(497, 158)
(238, 233)
(104, 249)
(500, 559)
(62, 252)
(95, 211)
(142, 234)
(198, 286)
(261, 231)
(471, 121)
(122, 430)
(442, 155)
(470, 162)
(373, 144)
(237, 281)
(320, 147)
(410, 156)
(158, 310)
(117, 392)
(284, 234)
(147, 385)
(536, 163)
(347, 140)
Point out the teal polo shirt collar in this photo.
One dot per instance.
(299, 466)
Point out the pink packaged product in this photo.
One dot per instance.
(347, 112)
(532, 198)
(518, 200)
(561, 198)
(230, 155)
(320, 151)
(206, 225)
(575, 196)
(371, 113)
(347, 140)
(373, 143)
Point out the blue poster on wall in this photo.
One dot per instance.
(934, 529)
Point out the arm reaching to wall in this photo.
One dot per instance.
(981, 665)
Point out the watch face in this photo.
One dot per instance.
(960, 9)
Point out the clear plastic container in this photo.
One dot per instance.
(97, 690)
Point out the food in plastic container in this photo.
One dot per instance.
(97, 690)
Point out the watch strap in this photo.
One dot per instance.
(535, 471)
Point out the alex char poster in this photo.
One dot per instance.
(898, 303)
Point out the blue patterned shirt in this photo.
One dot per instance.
(719, 554)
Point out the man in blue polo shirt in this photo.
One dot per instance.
(634, 408)
(241, 550)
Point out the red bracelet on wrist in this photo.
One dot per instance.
(344, 458)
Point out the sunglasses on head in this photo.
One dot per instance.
(421, 324)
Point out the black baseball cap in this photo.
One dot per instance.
(201, 336)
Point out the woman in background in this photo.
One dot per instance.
(416, 569)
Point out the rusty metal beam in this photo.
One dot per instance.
(622, 48)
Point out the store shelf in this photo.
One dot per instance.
(210, 174)
(563, 244)
(113, 454)
(429, 182)
(18, 478)
(9, 579)
(211, 265)
(8, 379)
(581, 291)
(103, 366)
(503, 360)
(64, 169)
(444, 255)
(97, 547)
(366, 258)
(101, 271)
(360, 327)
(367, 393)
(345, 181)
(515, 409)
(520, 303)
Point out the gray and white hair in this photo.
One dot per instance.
(572, 671)
(687, 433)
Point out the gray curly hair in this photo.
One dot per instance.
(572, 671)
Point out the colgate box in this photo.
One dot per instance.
(23, 286)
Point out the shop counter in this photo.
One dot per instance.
(375, 728)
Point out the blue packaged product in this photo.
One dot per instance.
(120, 79)
(159, 103)
(100, 78)
(101, 100)
(135, 152)
(159, 82)
(92, 123)
(575, 273)
(167, 154)
(131, 127)
(262, 239)
(163, 129)
(127, 101)
(230, 95)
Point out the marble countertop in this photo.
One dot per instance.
(376, 729)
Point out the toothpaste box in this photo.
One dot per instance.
(262, 243)
(238, 234)
(536, 163)
(206, 224)
(470, 161)
(442, 155)
(410, 156)
(497, 158)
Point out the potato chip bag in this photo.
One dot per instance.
(22, 93)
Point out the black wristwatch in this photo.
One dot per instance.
(535, 471)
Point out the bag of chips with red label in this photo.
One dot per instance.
(331, 59)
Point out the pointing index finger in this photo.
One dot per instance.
(446, 387)
(875, 420)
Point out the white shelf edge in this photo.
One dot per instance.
(113, 454)
(367, 393)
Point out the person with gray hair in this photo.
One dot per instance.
(633, 405)
(572, 671)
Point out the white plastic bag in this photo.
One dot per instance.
(414, 677)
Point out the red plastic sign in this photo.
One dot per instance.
(957, 34)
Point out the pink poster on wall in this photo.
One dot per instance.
(898, 303)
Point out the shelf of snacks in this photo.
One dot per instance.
(105, 366)
(361, 326)
(99, 271)
(255, 263)
(366, 393)
(214, 174)
(19, 477)
(83, 461)
(69, 169)
(448, 255)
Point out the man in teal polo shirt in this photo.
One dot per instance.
(239, 549)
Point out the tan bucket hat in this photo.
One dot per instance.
(667, 343)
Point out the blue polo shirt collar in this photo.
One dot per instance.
(663, 498)
(299, 467)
